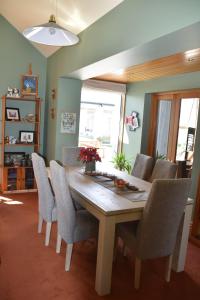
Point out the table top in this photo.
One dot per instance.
(105, 200)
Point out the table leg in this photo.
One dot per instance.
(105, 255)
(180, 252)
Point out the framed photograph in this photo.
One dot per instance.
(26, 136)
(68, 122)
(29, 85)
(13, 158)
(12, 114)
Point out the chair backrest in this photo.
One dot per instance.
(46, 198)
(163, 169)
(66, 215)
(70, 156)
(143, 166)
(157, 230)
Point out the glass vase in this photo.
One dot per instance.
(90, 166)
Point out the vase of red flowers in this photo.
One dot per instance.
(89, 156)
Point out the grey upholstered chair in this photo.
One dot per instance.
(47, 207)
(163, 169)
(155, 235)
(143, 166)
(73, 226)
(70, 156)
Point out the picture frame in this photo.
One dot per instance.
(12, 114)
(26, 137)
(29, 85)
(13, 158)
(68, 122)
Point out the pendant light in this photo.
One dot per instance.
(51, 34)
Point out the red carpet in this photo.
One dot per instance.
(31, 271)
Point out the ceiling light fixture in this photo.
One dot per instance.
(51, 34)
(191, 54)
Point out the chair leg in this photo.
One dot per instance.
(40, 221)
(58, 244)
(138, 263)
(168, 268)
(68, 256)
(48, 232)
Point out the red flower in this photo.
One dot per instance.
(89, 154)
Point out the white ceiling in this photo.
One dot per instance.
(75, 15)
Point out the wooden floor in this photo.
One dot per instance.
(31, 271)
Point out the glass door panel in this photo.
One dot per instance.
(12, 179)
(29, 178)
(163, 127)
(186, 134)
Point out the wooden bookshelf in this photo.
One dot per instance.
(15, 178)
(20, 145)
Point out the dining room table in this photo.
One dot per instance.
(111, 205)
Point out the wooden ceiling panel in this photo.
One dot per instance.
(166, 66)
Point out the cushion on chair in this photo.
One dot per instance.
(86, 226)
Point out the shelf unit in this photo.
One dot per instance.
(19, 178)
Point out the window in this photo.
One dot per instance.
(100, 117)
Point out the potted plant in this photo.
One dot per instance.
(121, 163)
(160, 156)
(89, 156)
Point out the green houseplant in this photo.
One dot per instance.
(121, 163)
(160, 156)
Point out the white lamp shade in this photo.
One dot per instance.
(50, 34)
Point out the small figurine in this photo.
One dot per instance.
(12, 140)
(30, 118)
(6, 139)
(9, 92)
(16, 93)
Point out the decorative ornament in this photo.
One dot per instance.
(132, 121)
(53, 98)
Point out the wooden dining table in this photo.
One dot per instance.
(111, 207)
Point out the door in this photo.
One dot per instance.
(173, 128)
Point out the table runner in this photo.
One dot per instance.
(139, 195)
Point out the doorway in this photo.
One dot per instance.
(173, 128)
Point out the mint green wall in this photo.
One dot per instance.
(50, 138)
(138, 97)
(69, 91)
(132, 139)
(130, 24)
(15, 55)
